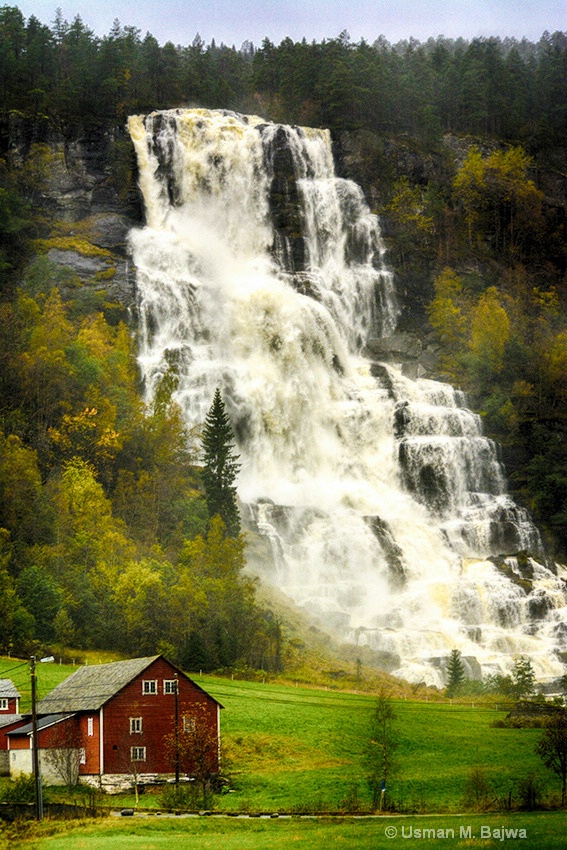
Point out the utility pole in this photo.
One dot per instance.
(35, 744)
(176, 731)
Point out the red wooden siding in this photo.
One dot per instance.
(63, 733)
(157, 713)
(4, 733)
(90, 742)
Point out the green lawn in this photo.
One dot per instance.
(293, 750)
(48, 675)
(542, 832)
(298, 749)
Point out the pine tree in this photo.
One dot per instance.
(523, 677)
(455, 672)
(221, 467)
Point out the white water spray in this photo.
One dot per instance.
(262, 273)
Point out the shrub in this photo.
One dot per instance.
(20, 790)
(183, 796)
(529, 792)
(478, 795)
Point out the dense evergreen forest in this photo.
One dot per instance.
(105, 535)
(507, 89)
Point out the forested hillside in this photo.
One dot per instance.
(106, 540)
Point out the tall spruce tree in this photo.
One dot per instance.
(455, 673)
(221, 467)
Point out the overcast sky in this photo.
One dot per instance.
(234, 21)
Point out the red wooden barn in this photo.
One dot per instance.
(125, 719)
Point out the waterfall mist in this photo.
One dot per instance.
(261, 272)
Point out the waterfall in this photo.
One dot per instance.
(384, 506)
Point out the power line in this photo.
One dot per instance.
(17, 667)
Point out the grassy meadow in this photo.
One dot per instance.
(298, 750)
(541, 832)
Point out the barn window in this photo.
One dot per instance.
(138, 753)
(149, 686)
(169, 686)
(3, 705)
(188, 724)
(135, 725)
(90, 727)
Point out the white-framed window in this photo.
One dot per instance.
(90, 727)
(4, 705)
(188, 723)
(149, 686)
(135, 725)
(138, 753)
(169, 686)
(83, 755)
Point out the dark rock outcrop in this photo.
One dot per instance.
(85, 188)
(285, 204)
(417, 359)
(393, 553)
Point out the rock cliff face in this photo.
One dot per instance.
(417, 359)
(285, 204)
(86, 190)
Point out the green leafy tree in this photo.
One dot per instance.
(42, 598)
(447, 316)
(499, 684)
(156, 481)
(89, 550)
(455, 673)
(469, 189)
(490, 331)
(16, 623)
(195, 749)
(552, 749)
(226, 623)
(501, 205)
(15, 229)
(145, 597)
(22, 509)
(221, 466)
(47, 376)
(381, 748)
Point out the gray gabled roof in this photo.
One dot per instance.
(89, 688)
(42, 723)
(8, 719)
(8, 689)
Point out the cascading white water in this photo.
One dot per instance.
(262, 273)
